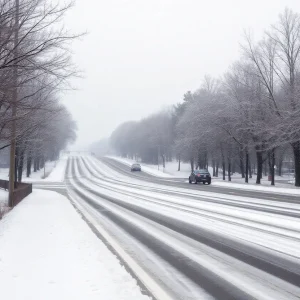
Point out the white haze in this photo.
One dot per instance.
(142, 55)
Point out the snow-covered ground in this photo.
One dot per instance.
(39, 175)
(58, 173)
(48, 252)
(288, 189)
(4, 173)
(3, 196)
(3, 204)
(54, 171)
(283, 184)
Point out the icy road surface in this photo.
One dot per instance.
(196, 242)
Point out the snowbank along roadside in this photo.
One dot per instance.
(61, 258)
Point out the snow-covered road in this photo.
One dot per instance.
(195, 244)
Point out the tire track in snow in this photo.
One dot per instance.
(174, 224)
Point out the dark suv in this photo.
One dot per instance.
(136, 167)
(200, 176)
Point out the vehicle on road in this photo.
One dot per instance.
(200, 176)
(136, 167)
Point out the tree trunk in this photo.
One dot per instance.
(273, 167)
(192, 164)
(296, 151)
(229, 170)
(179, 163)
(279, 159)
(198, 161)
(271, 159)
(242, 164)
(16, 161)
(247, 167)
(16, 168)
(42, 161)
(29, 160)
(35, 159)
(202, 160)
(163, 160)
(259, 166)
(217, 169)
(223, 163)
(214, 167)
(38, 163)
(21, 165)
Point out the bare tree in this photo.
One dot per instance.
(35, 65)
(286, 35)
(43, 59)
(248, 117)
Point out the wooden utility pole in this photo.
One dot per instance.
(14, 110)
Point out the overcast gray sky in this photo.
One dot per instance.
(142, 55)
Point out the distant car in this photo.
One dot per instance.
(200, 176)
(136, 167)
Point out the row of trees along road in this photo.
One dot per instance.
(150, 139)
(35, 66)
(250, 117)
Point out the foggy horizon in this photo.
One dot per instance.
(140, 57)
